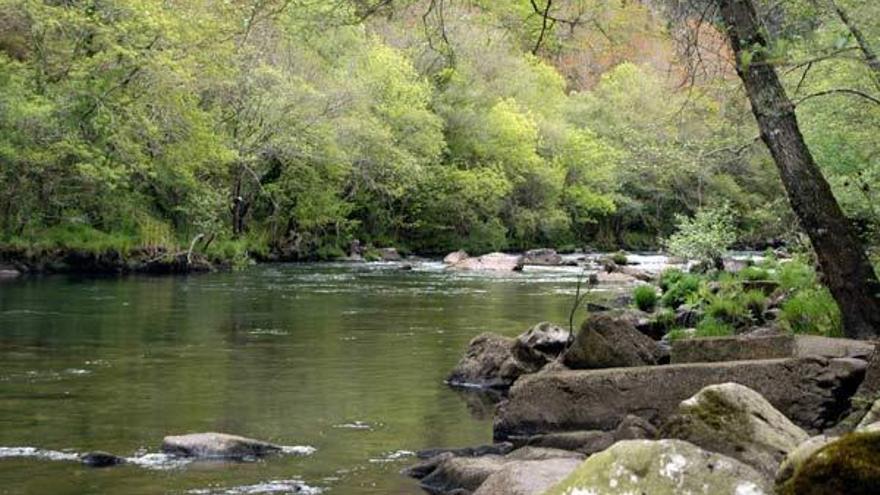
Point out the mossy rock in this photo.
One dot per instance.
(850, 465)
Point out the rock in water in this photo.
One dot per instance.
(455, 257)
(542, 257)
(389, 254)
(849, 465)
(610, 340)
(500, 262)
(661, 467)
(100, 459)
(216, 445)
(489, 362)
(738, 422)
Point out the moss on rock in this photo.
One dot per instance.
(850, 465)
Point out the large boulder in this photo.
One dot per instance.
(542, 257)
(528, 477)
(389, 254)
(451, 474)
(849, 465)
(499, 262)
(611, 340)
(812, 392)
(216, 445)
(661, 467)
(489, 363)
(736, 421)
(455, 257)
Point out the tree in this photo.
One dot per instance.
(847, 271)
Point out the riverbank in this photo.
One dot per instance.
(702, 382)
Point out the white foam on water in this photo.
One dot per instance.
(298, 449)
(393, 456)
(37, 453)
(357, 425)
(274, 486)
(158, 461)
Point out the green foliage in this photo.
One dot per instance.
(711, 327)
(752, 273)
(756, 303)
(813, 311)
(680, 290)
(670, 277)
(705, 237)
(645, 297)
(619, 258)
(665, 318)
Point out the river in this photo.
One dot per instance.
(346, 358)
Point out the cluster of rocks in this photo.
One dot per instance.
(614, 410)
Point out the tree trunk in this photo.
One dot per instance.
(870, 56)
(842, 259)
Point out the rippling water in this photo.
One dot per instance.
(346, 358)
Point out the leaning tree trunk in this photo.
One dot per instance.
(870, 55)
(842, 259)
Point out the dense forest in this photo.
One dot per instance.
(290, 128)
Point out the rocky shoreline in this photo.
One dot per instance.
(616, 408)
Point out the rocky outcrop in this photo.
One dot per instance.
(216, 445)
(661, 467)
(812, 392)
(736, 421)
(849, 465)
(499, 262)
(610, 340)
(489, 362)
(450, 474)
(542, 257)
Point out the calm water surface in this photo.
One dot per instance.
(349, 359)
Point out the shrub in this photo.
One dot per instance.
(705, 237)
(645, 297)
(728, 309)
(678, 293)
(669, 277)
(619, 258)
(756, 303)
(711, 327)
(813, 311)
(677, 334)
(665, 318)
(796, 274)
(751, 273)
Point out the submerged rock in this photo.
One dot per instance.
(611, 340)
(736, 421)
(849, 465)
(217, 445)
(100, 459)
(661, 467)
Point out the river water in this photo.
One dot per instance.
(346, 358)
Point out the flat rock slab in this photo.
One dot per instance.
(716, 349)
(216, 445)
(708, 350)
(812, 392)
